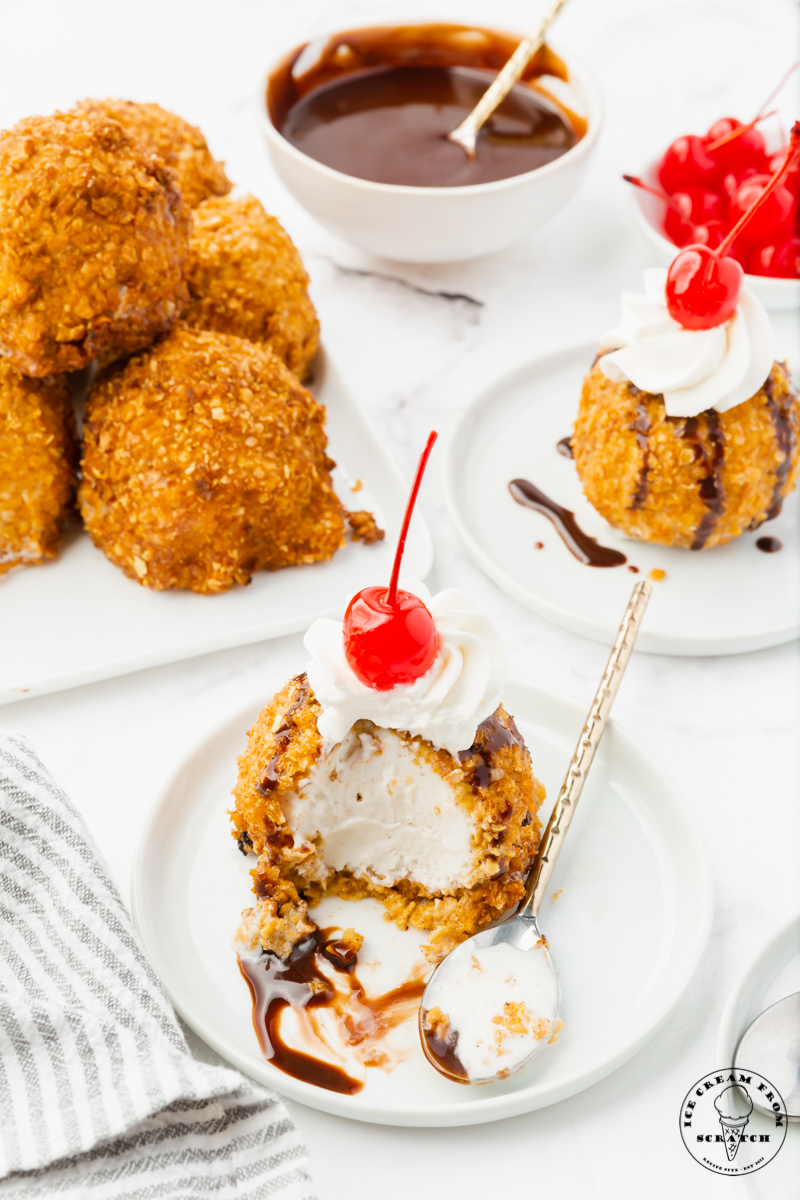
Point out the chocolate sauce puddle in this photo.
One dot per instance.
(586, 549)
(770, 545)
(297, 981)
(389, 124)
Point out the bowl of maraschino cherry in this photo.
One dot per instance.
(701, 186)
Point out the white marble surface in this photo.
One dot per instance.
(726, 729)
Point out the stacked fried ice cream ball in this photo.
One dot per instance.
(204, 457)
(687, 437)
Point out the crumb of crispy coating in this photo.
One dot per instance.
(364, 528)
(246, 278)
(181, 145)
(436, 1021)
(38, 462)
(93, 243)
(205, 460)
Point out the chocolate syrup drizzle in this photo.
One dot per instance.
(282, 737)
(641, 426)
(495, 737)
(586, 549)
(565, 447)
(711, 492)
(770, 545)
(785, 437)
(297, 981)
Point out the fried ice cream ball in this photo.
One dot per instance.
(181, 145)
(693, 482)
(246, 278)
(204, 461)
(38, 462)
(93, 243)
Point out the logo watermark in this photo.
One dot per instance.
(733, 1122)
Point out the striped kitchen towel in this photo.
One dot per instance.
(99, 1094)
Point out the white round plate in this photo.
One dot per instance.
(775, 973)
(722, 601)
(627, 922)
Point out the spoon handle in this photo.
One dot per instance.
(564, 808)
(466, 134)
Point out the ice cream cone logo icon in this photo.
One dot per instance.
(734, 1107)
(733, 1121)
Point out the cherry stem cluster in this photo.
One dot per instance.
(737, 133)
(775, 91)
(391, 597)
(791, 159)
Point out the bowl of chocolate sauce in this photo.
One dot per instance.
(355, 124)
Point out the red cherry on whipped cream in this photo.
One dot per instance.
(703, 286)
(389, 635)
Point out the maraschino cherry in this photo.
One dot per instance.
(774, 216)
(703, 286)
(389, 635)
(687, 163)
(781, 260)
(686, 210)
(734, 146)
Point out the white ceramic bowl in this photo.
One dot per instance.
(648, 217)
(436, 224)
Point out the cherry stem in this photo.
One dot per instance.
(639, 183)
(737, 133)
(791, 158)
(775, 91)
(391, 597)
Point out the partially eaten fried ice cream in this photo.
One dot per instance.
(420, 795)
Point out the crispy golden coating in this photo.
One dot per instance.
(38, 462)
(204, 461)
(280, 920)
(246, 278)
(493, 781)
(364, 528)
(93, 243)
(181, 145)
(696, 482)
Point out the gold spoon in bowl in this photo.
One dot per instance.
(501, 982)
(465, 135)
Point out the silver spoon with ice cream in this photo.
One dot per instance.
(493, 1003)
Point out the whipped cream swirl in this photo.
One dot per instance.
(462, 687)
(694, 369)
